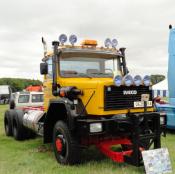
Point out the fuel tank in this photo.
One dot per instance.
(31, 121)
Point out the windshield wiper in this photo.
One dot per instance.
(84, 75)
(100, 73)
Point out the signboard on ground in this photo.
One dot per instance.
(157, 161)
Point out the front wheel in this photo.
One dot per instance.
(65, 146)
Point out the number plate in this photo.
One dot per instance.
(140, 104)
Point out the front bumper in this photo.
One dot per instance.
(142, 129)
(122, 124)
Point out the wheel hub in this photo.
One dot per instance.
(59, 145)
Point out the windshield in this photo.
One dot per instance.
(100, 65)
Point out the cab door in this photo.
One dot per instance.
(47, 84)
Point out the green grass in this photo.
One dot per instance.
(32, 157)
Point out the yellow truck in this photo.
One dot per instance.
(90, 99)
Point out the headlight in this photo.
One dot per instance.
(62, 38)
(118, 80)
(108, 43)
(162, 118)
(137, 80)
(114, 43)
(73, 39)
(147, 80)
(128, 80)
(95, 127)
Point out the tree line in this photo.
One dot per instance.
(157, 78)
(18, 84)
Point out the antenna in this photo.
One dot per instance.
(44, 46)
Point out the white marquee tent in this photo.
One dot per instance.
(160, 89)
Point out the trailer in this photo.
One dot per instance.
(169, 107)
(90, 99)
(5, 94)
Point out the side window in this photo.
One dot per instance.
(23, 99)
(37, 98)
(49, 62)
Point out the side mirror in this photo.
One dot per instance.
(43, 68)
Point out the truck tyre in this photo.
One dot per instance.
(65, 146)
(19, 131)
(8, 123)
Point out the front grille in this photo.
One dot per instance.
(114, 98)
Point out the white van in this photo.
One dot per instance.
(27, 99)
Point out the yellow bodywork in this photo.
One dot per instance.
(88, 86)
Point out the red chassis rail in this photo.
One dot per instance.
(105, 148)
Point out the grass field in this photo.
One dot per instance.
(32, 157)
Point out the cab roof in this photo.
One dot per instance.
(66, 49)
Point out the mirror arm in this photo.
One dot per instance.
(55, 58)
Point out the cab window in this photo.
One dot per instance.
(23, 99)
(37, 98)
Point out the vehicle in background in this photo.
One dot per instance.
(5, 94)
(36, 88)
(169, 108)
(26, 99)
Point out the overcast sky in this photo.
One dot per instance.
(139, 25)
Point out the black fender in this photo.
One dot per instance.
(59, 109)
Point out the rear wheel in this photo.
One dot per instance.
(66, 148)
(19, 131)
(8, 124)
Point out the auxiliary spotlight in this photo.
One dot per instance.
(108, 43)
(147, 80)
(137, 80)
(62, 38)
(118, 80)
(128, 80)
(73, 39)
(114, 43)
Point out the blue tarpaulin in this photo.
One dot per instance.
(171, 66)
